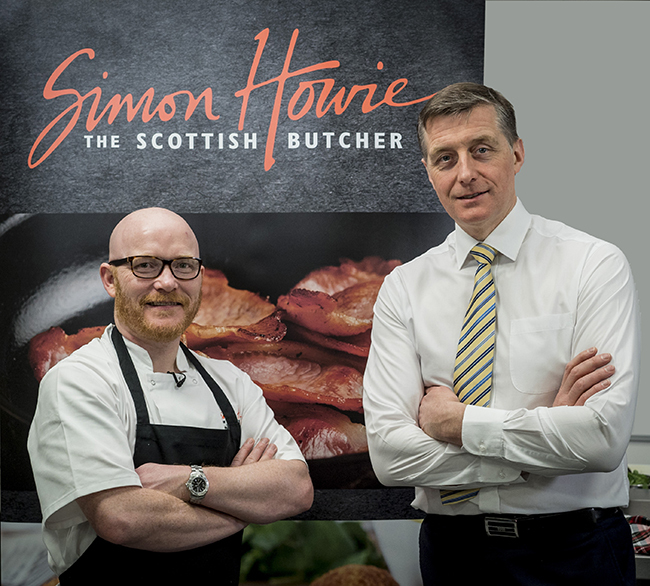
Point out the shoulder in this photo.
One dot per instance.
(417, 273)
(439, 255)
(560, 234)
(96, 355)
(93, 370)
(554, 229)
(590, 259)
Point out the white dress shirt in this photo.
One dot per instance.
(82, 437)
(559, 291)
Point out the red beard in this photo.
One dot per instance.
(130, 312)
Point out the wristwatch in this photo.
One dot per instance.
(197, 484)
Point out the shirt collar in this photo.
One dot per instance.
(142, 360)
(507, 237)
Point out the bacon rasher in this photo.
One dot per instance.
(320, 432)
(53, 345)
(332, 279)
(358, 345)
(289, 349)
(288, 373)
(337, 301)
(229, 314)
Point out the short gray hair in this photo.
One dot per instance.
(462, 97)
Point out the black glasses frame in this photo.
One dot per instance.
(129, 259)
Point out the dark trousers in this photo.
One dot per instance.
(457, 550)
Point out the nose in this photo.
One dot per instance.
(166, 280)
(466, 169)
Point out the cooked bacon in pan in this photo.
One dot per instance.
(53, 345)
(289, 349)
(299, 380)
(228, 314)
(358, 345)
(337, 301)
(321, 432)
(331, 279)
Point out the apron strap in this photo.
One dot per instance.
(131, 377)
(219, 395)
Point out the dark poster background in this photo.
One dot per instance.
(265, 253)
(89, 163)
(170, 47)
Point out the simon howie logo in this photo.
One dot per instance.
(317, 95)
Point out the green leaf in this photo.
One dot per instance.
(298, 551)
(636, 478)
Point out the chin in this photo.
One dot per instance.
(169, 333)
(167, 325)
(159, 331)
(165, 336)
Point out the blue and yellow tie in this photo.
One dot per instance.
(475, 356)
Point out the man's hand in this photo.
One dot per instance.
(441, 415)
(171, 478)
(584, 376)
(252, 452)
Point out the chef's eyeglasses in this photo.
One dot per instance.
(151, 267)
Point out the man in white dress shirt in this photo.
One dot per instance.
(542, 465)
(150, 460)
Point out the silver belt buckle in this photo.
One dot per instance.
(501, 527)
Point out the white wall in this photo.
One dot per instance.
(577, 73)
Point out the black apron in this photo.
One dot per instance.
(215, 564)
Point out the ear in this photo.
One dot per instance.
(107, 277)
(518, 152)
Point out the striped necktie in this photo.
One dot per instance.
(475, 356)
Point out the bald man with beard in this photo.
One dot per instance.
(150, 460)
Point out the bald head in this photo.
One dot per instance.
(152, 312)
(155, 232)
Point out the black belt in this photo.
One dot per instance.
(521, 526)
(526, 525)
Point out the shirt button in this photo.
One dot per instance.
(153, 383)
(482, 447)
(195, 381)
(502, 474)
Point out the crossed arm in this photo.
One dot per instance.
(255, 489)
(425, 437)
(441, 413)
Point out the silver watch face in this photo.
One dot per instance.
(198, 486)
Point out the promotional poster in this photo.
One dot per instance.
(284, 133)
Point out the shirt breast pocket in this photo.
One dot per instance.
(540, 349)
